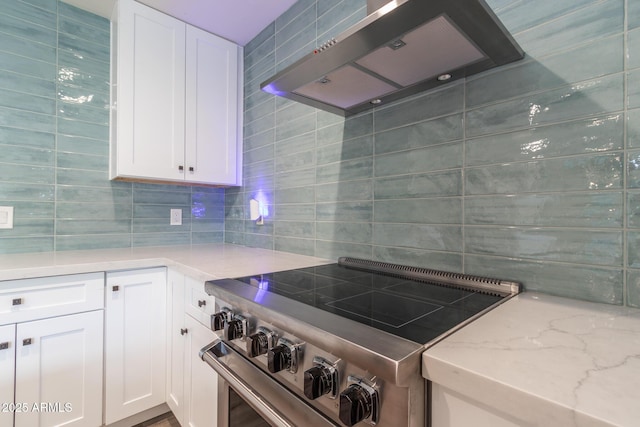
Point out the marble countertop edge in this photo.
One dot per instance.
(201, 262)
(546, 360)
(520, 406)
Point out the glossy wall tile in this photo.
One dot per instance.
(54, 144)
(529, 172)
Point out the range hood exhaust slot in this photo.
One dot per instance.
(401, 48)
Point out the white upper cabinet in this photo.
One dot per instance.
(175, 99)
(212, 102)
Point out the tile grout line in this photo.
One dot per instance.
(55, 149)
(625, 175)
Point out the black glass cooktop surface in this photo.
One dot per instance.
(414, 310)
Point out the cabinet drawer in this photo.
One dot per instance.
(197, 302)
(31, 299)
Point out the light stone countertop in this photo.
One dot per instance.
(202, 262)
(546, 361)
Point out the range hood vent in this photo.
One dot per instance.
(401, 48)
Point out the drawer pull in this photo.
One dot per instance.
(202, 303)
(27, 341)
(4, 345)
(183, 331)
(17, 301)
(115, 288)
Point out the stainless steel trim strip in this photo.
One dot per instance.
(265, 395)
(445, 278)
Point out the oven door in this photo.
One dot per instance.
(248, 396)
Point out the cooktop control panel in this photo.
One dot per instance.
(323, 379)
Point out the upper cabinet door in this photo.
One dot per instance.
(212, 108)
(150, 92)
(176, 97)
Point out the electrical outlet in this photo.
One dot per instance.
(6, 216)
(176, 217)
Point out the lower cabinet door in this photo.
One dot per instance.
(135, 339)
(177, 341)
(201, 386)
(59, 371)
(7, 373)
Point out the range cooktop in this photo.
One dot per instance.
(418, 310)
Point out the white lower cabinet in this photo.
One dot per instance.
(193, 386)
(135, 341)
(62, 337)
(201, 381)
(177, 342)
(59, 371)
(51, 351)
(7, 372)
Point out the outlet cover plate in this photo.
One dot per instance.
(176, 217)
(6, 217)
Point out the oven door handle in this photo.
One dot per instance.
(259, 390)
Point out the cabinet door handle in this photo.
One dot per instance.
(202, 303)
(115, 288)
(27, 341)
(191, 169)
(4, 345)
(180, 168)
(17, 301)
(183, 331)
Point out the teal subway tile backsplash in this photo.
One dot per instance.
(549, 72)
(527, 172)
(578, 281)
(582, 209)
(420, 107)
(600, 19)
(436, 210)
(633, 48)
(633, 91)
(551, 244)
(518, 17)
(583, 136)
(577, 100)
(429, 132)
(447, 183)
(435, 157)
(54, 144)
(597, 172)
(11, 245)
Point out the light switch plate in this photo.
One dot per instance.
(6, 217)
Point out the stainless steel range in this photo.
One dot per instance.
(339, 344)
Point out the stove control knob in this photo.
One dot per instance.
(358, 402)
(235, 328)
(220, 318)
(317, 382)
(260, 342)
(283, 356)
(321, 379)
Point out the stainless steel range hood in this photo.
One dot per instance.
(401, 48)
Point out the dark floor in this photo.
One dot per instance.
(165, 420)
